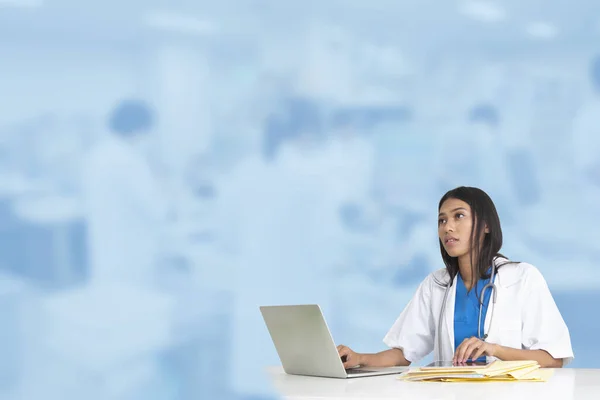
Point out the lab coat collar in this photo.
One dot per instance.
(508, 272)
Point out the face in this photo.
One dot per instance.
(455, 223)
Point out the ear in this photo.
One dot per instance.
(486, 229)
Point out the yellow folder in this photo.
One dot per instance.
(499, 371)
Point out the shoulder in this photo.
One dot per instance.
(440, 274)
(513, 272)
(437, 278)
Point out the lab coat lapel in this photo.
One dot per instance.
(448, 350)
(489, 315)
(505, 277)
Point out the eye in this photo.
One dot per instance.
(460, 215)
(441, 221)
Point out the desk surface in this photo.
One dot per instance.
(565, 384)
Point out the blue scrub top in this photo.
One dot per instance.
(466, 310)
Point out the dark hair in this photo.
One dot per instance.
(595, 72)
(131, 117)
(484, 113)
(483, 212)
(298, 117)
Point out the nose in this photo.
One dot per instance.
(449, 227)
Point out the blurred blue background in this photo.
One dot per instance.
(169, 166)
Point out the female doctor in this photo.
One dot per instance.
(480, 305)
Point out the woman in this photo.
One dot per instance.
(449, 312)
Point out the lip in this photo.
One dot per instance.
(450, 240)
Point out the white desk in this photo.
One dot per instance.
(565, 384)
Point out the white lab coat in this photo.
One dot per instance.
(277, 225)
(525, 316)
(585, 149)
(125, 209)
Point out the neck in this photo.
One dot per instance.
(464, 269)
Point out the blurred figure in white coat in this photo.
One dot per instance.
(278, 225)
(125, 205)
(586, 141)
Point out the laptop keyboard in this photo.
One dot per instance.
(357, 371)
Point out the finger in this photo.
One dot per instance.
(460, 357)
(473, 347)
(341, 349)
(472, 350)
(460, 351)
(458, 362)
(487, 349)
(469, 353)
(480, 351)
(455, 356)
(349, 362)
(467, 348)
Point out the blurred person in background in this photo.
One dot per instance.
(586, 138)
(276, 217)
(125, 204)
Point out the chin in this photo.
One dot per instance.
(454, 253)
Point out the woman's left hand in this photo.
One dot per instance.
(472, 349)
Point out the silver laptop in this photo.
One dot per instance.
(305, 345)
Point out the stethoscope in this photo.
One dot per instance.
(490, 285)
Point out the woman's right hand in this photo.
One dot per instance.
(349, 357)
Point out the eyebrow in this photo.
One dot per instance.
(456, 209)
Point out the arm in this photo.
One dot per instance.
(541, 356)
(413, 333)
(473, 348)
(387, 358)
(410, 338)
(544, 333)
